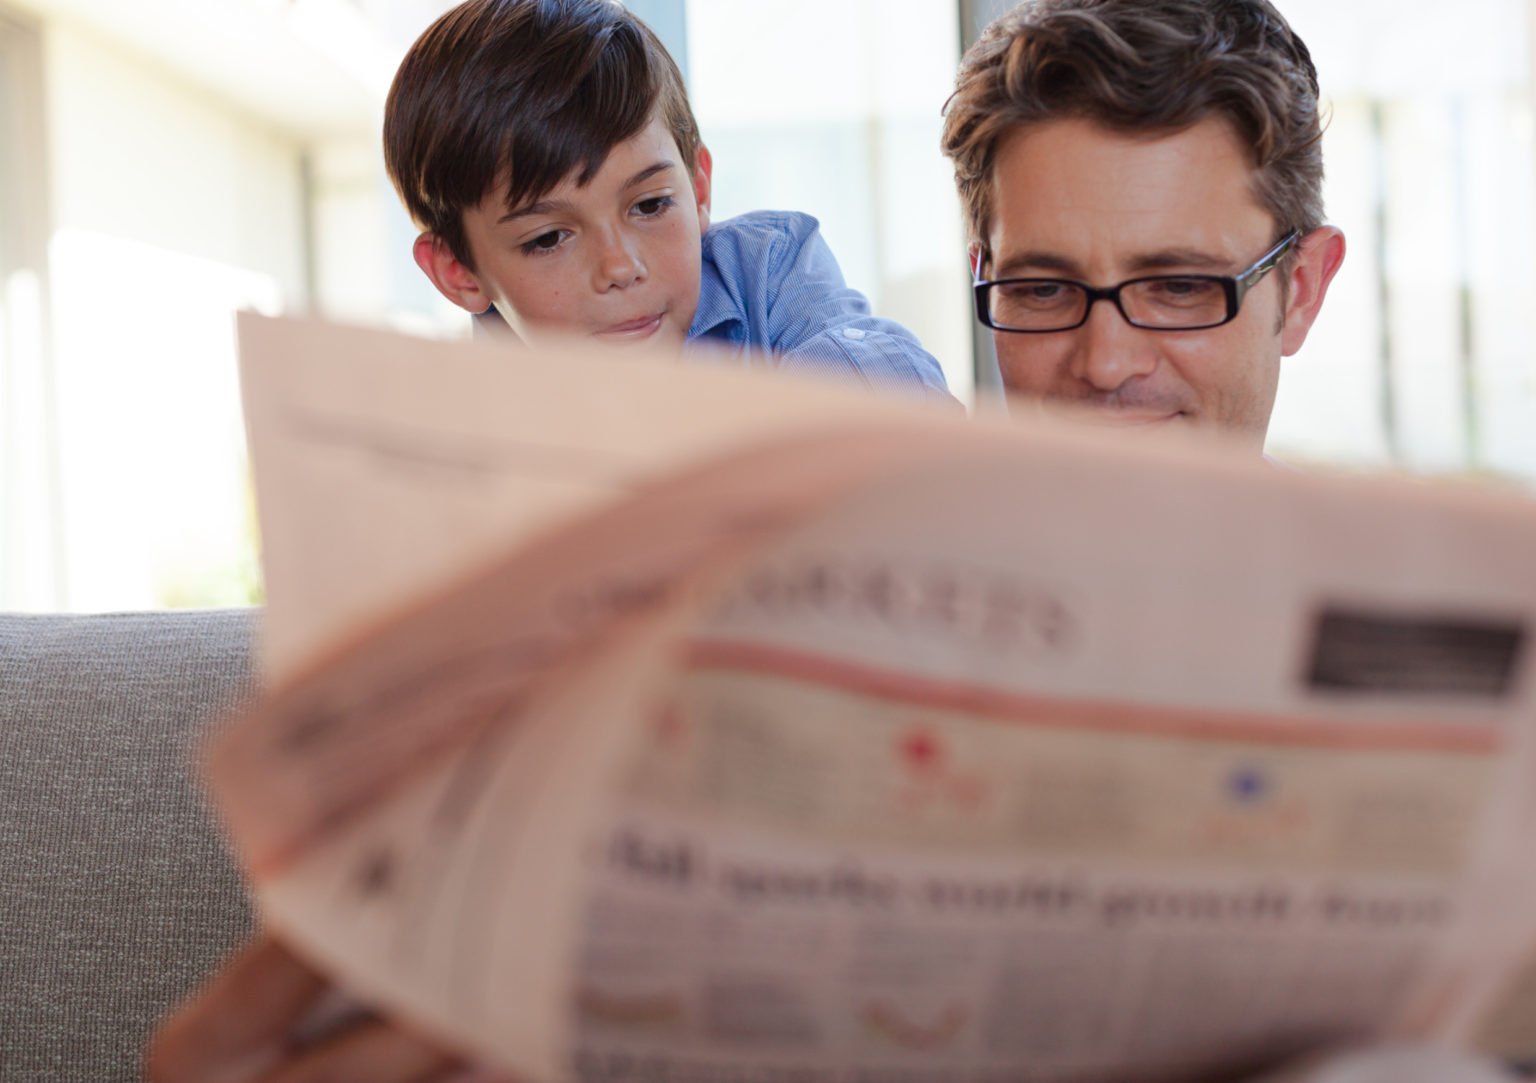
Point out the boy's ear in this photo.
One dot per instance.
(702, 168)
(978, 256)
(448, 273)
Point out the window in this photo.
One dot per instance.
(833, 109)
(1422, 355)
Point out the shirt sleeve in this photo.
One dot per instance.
(817, 323)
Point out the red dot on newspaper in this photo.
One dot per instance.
(921, 751)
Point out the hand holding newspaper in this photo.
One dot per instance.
(634, 720)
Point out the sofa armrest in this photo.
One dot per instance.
(117, 897)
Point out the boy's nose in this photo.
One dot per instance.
(619, 265)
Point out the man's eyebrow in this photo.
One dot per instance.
(1050, 264)
(550, 206)
(1033, 264)
(1180, 259)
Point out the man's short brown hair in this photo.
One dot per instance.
(1135, 66)
(530, 91)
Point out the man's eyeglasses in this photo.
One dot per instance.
(1156, 302)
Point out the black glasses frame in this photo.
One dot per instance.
(1235, 287)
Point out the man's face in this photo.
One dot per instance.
(1073, 199)
(616, 259)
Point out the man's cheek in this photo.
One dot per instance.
(1030, 369)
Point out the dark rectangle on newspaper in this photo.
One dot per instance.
(1434, 656)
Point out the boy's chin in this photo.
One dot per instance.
(661, 334)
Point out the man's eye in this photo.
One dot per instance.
(1182, 290)
(1034, 294)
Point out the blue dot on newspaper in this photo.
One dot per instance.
(1249, 785)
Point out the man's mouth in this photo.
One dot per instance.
(637, 328)
(1131, 418)
(1120, 417)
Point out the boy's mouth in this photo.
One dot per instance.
(640, 327)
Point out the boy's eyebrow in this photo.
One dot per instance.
(549, 206)
(543, 206)
(648, 172)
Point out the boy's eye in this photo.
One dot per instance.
(650, 208)
(545, 242)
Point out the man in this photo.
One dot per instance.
(1163, 159)
(1143, 188)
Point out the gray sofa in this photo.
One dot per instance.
(116, 895)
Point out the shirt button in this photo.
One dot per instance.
(854, 333)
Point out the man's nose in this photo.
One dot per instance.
(1110, 351)
(619, 263)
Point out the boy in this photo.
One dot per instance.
(547, 150)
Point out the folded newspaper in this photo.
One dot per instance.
(640, 720)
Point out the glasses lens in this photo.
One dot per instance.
(1035, 304)
(1175, 302)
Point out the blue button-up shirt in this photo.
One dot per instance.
(770, 284)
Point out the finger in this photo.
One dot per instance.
(374, 1051)
(243, 1013)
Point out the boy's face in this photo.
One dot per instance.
(617, 259)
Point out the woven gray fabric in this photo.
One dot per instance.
(116, 897)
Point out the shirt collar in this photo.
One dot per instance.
(717, 305)
(714, 311)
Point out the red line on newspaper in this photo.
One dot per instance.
(1107, 716)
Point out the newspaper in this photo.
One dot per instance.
(636, 720)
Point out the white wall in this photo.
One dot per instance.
(175, 186)
(170, 211)
(138, 155)
(364, 271)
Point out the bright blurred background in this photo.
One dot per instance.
(165, 163)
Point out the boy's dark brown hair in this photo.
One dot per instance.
(1142, 67)
(532, 91)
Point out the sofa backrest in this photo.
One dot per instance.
(117, 898)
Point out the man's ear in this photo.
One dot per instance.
(978, 256)
(1319, 256)
(449, 274)
(702, 168)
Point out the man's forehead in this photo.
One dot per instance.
(1080, 191)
